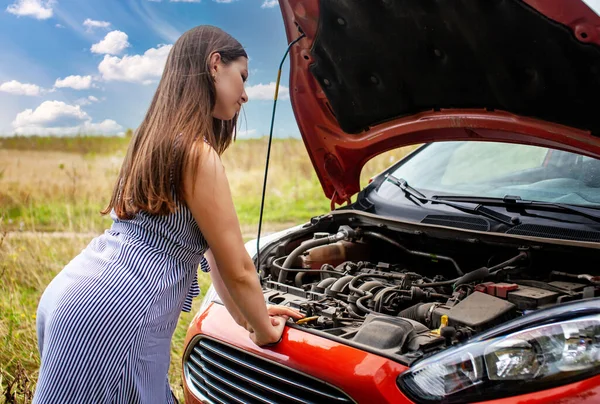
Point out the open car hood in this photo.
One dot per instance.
(373, 75)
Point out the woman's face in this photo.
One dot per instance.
(229, 83)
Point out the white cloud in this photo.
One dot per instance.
(184, 1)
(269, 4)
(113, 43)
(245, 134)
(39, 9)
(107, 126)
(58, 118)
(51, 113)
(87, 101)
(144, 68)
(266, 92)
(59, 26)
(91, 24)
(14, 87)
(74, 82)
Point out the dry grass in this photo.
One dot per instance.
(55, 189)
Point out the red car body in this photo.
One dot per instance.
(340, 143)
(365, 377)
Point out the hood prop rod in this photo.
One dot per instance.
(264, 190)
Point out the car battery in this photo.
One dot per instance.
(529, 298)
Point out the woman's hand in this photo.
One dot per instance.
(272, 336)
(282, 311)
(278, 315)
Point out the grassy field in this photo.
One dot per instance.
(51, 190)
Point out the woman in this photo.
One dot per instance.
(105, 322)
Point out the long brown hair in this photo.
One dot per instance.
(179, 116)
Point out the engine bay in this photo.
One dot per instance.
(408, 293)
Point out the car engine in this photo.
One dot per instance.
(406, 295)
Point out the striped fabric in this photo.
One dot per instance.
(105, 322)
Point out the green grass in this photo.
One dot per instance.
(27, 265)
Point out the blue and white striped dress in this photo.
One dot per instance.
(105, 322)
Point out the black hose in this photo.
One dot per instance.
(361, 276)
(418, 312)
(299, 250)
(473, 276)
(363, 307)
(339, 285)
(497, 268)
(299, 279)
(351, 312)
(325, 283)
(483, 273)
(434, 284)
(411, 252)
(380, 297)
(316, 271)
(422, 294)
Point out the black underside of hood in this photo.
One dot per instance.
(377, 60)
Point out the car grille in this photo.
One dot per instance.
(223, 374)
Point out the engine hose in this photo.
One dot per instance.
(483, 273)
(307, 245)
(351, 311)
(298, 279)
(434, 284)
(411, 252)
(368, 286)
(419, 312)
(380, 297)
(497, 268)
(364, 308)
(339, 285)
(361, 276)
(325, 283)
(281, 269)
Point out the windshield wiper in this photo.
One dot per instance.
(419, 199)
(411, 194)
(513, 201)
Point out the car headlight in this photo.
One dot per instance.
(532, 359)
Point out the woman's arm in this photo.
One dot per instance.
(232, 308)
(209, 200)
(221, 289)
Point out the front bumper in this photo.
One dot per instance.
(365, 377)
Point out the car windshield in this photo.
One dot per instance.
(490, 169)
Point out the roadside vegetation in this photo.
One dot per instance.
(51, 190)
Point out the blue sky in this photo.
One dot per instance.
(91, 66)
(81, 66)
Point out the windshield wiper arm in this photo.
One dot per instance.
(590, 213)
(409, 191)
(516, 202)
(414, 195)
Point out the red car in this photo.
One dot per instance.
(468, 271)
